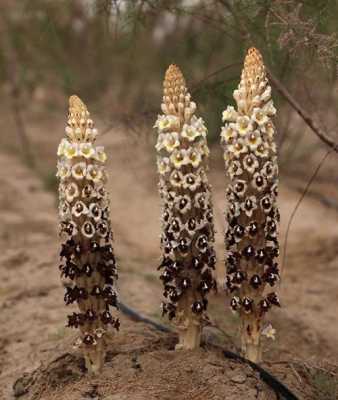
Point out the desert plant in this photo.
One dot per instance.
(187, 216)
(251, 239)
(87, 254)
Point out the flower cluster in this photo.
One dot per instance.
(187, 216)
(251, 239)
(87, 256)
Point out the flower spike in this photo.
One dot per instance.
(187, 217)
(252, 216)
(87, 256)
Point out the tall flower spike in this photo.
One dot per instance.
(87, 256)
(187, 217)
(251, 239)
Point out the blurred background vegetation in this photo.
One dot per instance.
(114, 53)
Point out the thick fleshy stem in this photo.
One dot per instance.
(87, 256)
(187, 217)
(251, 239)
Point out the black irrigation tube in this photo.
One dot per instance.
(276, 385)
(134, 315)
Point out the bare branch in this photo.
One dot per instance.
(198, 84)
(11, 68)
(302, 113)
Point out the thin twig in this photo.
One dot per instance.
(11, 69)
(302, 113)
(294, 211)
(198, 84)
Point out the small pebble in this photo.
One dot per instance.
(237, 377)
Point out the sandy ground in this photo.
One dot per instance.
(142, 363)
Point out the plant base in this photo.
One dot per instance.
(251, 341)
(94, 360)
(189, 338)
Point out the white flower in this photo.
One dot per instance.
(262, 150)
(191, 181)
(176, 178)
(86, 150)
(235, 169)
(166, 216)
(175, 227)
(94, 173)
(100, 191)
(269, 169)
(240, 187)
(170, 197)
(263, 84)
(253, 140)
(269, 332)
(71, 191)
(163, 165)
(266, 95)
(243, 125)
(203, 176)
(102, 228)
(166, 123)
(160, 142)
(64, 210)
(238, 148)
(99, 332)
(71, 150)
(61, 190)
(256, 101)
(192, 105)
(100, 154)
(266, 203)
(269, 129)
(90, 134)
(78, 134)
(228, 133)
(189, 132)
(79, 170)
(239, 94)
(273, 147)
(63, 170)
(67, 229)
(199, 125)
(79, 208)
(249, 205)
(178, 158)
(270, 109)
(62, 146)
(183, 203)
(234, 209)
(95, 212)
(171, 141)
(69, 131)
(259, 182)
(88, 229)
(250, 163)
(200, 200)
(191, 226)
(203, 148)
(226, 156)
(229, 114)
(194, 157)
(259, 116)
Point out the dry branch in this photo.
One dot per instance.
(302, 112)
(12, 74)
